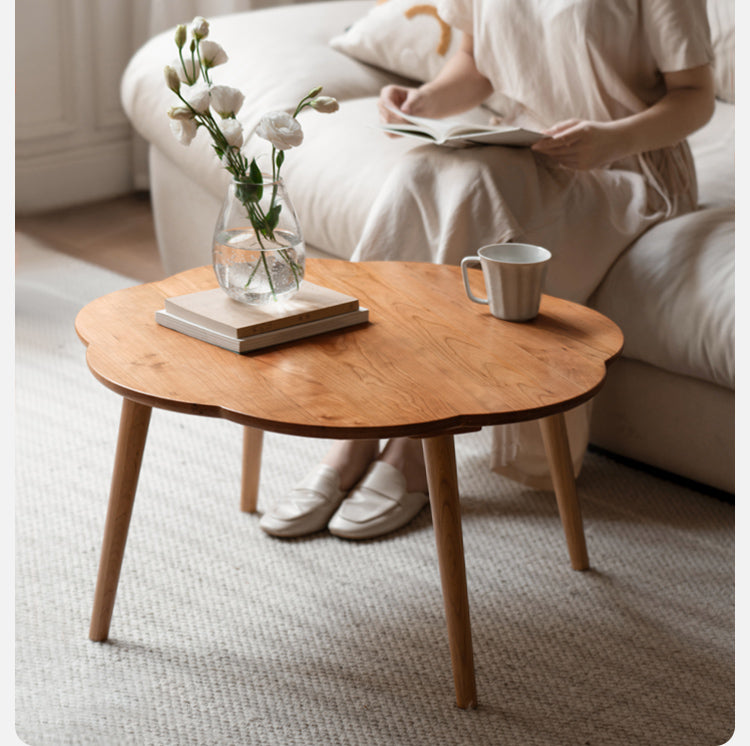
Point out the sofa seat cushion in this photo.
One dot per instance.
(672, 294)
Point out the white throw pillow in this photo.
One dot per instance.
(406, 37)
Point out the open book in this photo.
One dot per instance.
(456, 134)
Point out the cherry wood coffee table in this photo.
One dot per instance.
(430, 364)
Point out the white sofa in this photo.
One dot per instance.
(668, 402)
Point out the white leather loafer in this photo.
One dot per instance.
(378, 505)
(308, 506)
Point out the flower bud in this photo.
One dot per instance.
(172, 78)
(180, 36)
(314, 92)
(180, 112)
(200, 27)
(325, 104)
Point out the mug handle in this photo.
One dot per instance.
(466, 262)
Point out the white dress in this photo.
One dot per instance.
(549, 60)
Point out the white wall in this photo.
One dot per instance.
(73, 142)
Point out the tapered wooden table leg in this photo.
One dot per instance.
(252, 452)
(134, 421)
(440, 457)
(555, 436)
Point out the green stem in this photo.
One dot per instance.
(268, 274)
(294, 266)
(257, 264)
(252, 274)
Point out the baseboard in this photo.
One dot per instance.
(74, 177)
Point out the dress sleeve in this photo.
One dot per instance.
(457, 13)
(678, 33)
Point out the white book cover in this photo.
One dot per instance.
(264, 339)
(215, 310)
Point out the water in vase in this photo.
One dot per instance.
(253, 275)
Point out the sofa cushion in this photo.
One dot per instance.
(407, 37)
(672, 294)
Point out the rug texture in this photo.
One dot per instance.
(223, 635)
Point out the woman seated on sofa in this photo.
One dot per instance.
(617, 87)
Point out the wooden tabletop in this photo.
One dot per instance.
(430, 361)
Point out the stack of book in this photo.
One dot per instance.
(212, 316)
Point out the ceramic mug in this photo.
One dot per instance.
(513, 276)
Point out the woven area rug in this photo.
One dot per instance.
(223, 635)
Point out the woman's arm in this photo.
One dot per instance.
(686, 106)
(458, 87)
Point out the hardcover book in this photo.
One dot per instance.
(215, 310)
(212, 316)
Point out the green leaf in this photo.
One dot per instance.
(255, 173)
(272, 218)
(279, 158)
(246, 192)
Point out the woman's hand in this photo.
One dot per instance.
(581, 144)
(687, 105)
(399, 98)
(458, 87)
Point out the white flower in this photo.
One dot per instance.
(183, 129)
(281, 129)
(232, 130)
(325, 104)
(199, 98)
(212, 54)
(190, 72)
(225, 100)
(200, 27)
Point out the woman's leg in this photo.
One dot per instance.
(406, 455)
(350, 458)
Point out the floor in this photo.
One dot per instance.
(117, 234)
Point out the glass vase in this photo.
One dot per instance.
(258, 251)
